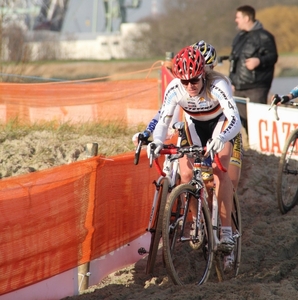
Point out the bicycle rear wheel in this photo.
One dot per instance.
(157, 225)
(287, 192)
(186, 263)
(227, 266)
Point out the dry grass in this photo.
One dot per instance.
(97, 69)
(29, 148)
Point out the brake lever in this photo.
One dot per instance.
(274, 106)
(143, 140)
(152, 148)
(137, 153)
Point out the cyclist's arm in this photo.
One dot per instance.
(151, 126)
(222, 91)
(168, 111)
(175, 119)
(283, 99)
(294, 92)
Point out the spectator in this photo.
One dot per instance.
(252, 60)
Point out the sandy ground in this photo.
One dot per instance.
(269, 264)
(40, 150)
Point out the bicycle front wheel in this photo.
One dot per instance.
(187, 261)
(156, 230)
(287, 193)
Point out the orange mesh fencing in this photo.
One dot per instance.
(42, 223)
(130, 101)
(54, 220)
(166, 78)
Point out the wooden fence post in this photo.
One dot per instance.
(91, 150)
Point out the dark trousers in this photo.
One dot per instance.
(257, 95)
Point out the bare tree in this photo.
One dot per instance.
(186, 22)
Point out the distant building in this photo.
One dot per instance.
(80, 29)
(77, 16)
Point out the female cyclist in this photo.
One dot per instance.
(210, 57)
(210, 113)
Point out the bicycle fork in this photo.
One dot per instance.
(196, 237)
(142, 250)
(215, 219)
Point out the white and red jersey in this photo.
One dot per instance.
(201, 108)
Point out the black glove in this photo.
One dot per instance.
(144, 136)
(284, 99)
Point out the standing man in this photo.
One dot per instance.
(252, 60)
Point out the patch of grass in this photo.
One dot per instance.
(14, 129)
(289, 72)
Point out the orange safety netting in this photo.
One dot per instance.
(127, 100)
(56, 219)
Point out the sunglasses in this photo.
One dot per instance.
(191, 81)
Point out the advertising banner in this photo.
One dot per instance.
(266, 133)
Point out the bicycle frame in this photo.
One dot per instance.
(163, 185)
(169, 171)
(194, 245)
(200, 186)
(215, 219)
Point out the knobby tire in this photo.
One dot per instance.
(157, 225)
(184, 264)
(287, 187)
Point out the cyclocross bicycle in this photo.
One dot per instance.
(168, 179)
(287, 187)
(188, 246)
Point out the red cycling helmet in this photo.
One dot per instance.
(188, 63)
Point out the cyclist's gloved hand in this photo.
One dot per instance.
(215, 144)
(143, 136)
(282, 99)
(157, 145)
(285, 99)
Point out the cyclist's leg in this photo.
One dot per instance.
(186, 173)
(236, 161)
(185, 165)
(224, 192)
(224, 187)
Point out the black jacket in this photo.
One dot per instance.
(254, 43)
